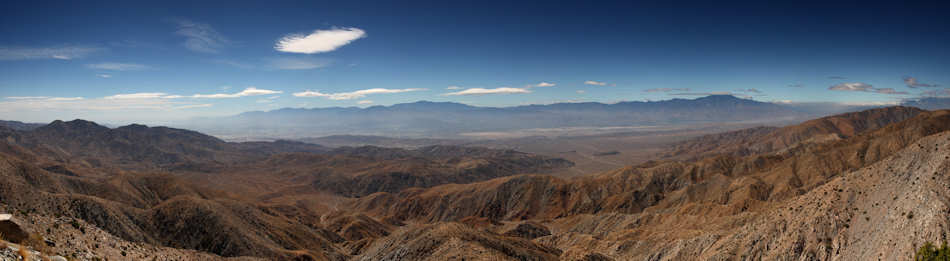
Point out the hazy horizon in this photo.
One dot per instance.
(162, 62)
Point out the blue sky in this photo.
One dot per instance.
(128, 61)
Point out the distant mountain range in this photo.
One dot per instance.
(929, 103)
(16, 125)
(447, 119)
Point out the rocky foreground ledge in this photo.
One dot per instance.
(44, 238)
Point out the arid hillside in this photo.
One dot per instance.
(855, 186)
(651, 210)
(182, 189)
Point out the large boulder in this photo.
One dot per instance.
(10, 230)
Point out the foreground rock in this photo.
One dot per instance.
(11, 231)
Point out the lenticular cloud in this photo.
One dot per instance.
(319, 41)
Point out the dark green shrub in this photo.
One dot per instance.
(929, 252)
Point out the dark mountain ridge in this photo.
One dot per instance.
(138, 146)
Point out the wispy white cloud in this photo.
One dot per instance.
(268, 99)
(200, 37)
(319, 41)
(364, 102)
(936, 93)
(142, 95)
(355, 94)
(286, 63)
(453, 87)
(65, 99)
(249, 91)
(581, 92)
(913, 83)
(889, 91)
(544, 84)
(103, 75)
(32, 53)
(27, 97)
(595, 83)
(43, 98)
(667, 90)
(701, 93)
(118, 102)
(750, 90)
(483, 91)
(852, 86)
(863, 87)
(118, 66)
(193, 106)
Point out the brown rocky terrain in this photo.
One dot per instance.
(650, 210)
(148, 186)
(771, 139)
(858, 186)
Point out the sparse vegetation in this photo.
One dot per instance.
(929, 252)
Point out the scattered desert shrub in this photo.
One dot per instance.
(929, 252)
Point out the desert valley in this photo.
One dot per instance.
(869, 184)
(314, 130)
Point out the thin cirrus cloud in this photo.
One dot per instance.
(192, 106)
(595, 83)
(701, 93)
(863, 87)
(249, 91)
(484, 91)
(142, 95)
(200, 37)
(750, 90)
(936, 93)
(320, 41)
(43, 98)
(667, 90)
(118, 102)
(914, 83)
(118, 66)
(268, 99)
(33, 53)
(354, 94)
(453, 87)
(364, 102)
